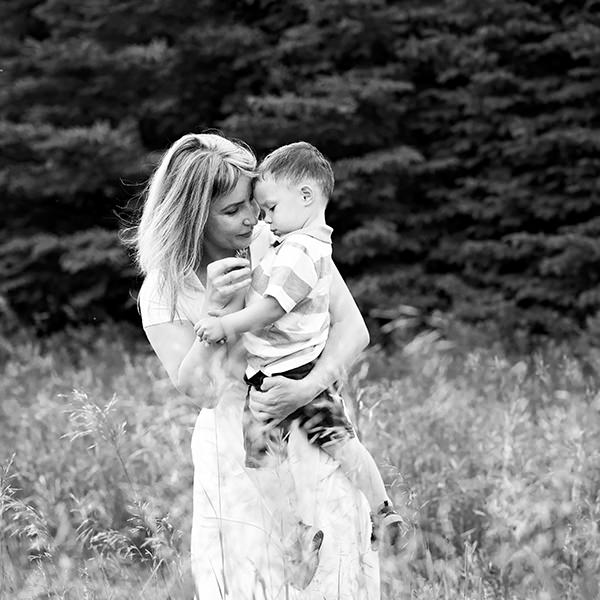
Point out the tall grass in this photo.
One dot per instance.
(96, 488)
(495, 461)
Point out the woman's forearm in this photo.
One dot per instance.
(191, 365)
(195, 369)
(345, 343)
(348, 337)
(197, 377)
(201, 367)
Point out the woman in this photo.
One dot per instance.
(198, 218)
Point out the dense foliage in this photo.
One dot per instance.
(465, 137)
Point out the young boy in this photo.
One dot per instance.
(286, 318)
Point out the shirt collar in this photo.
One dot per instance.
(320, 232)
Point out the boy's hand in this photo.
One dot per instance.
(210, 329)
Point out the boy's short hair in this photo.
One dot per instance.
(299, 161)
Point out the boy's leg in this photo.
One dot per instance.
(255, 442)
(359, 466)
(327, 425)
(255, 437)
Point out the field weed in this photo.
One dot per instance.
(493, 459)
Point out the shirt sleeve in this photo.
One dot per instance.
(293, 275)
(153, 305)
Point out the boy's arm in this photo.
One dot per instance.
(259, 314)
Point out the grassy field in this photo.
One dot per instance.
(497, 460)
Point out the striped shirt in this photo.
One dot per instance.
(297, 273)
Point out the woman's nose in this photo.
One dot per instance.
(251, 218)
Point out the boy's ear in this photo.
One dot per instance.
(307, 194)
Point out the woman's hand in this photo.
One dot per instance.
(225, 278)
(281, 397)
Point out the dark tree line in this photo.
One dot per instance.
(465, 136)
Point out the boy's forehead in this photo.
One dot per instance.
(267, 186)
(259, 188)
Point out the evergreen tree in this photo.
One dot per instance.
(464, 137)
(91, 90)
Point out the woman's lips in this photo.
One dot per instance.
(246, 235)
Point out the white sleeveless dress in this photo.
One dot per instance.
(244, 518)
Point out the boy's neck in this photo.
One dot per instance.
(318, 218)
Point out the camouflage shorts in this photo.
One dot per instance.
(324, 420)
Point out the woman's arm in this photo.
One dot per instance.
(186, 359)
(194, 368)
(348, 336)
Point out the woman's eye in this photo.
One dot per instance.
(261, 213)
(232, 210)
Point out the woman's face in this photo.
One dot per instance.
(230, 221)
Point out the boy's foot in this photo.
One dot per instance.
(302, 554)
(387, 525)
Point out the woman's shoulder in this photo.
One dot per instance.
(150, 290)
(155, 304)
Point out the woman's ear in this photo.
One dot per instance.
(307, 194)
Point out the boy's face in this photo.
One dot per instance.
(282, 204)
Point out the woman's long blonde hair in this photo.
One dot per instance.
(196, 170)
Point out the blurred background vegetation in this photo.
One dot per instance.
(465, 136)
